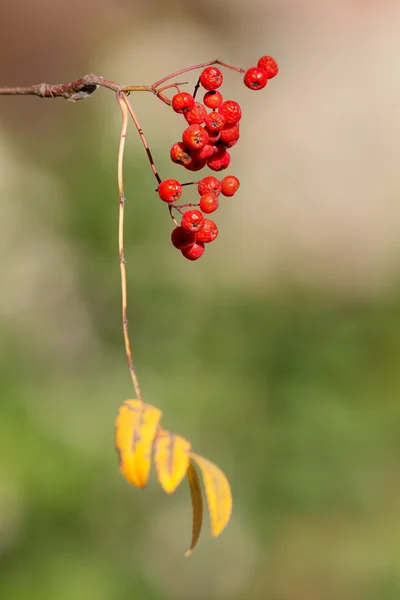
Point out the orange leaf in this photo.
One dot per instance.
(171, 458)
(218, 492)
(135, 430)
(197, 504)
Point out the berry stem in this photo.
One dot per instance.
(124, 126)
(142, 137)
(194, 67)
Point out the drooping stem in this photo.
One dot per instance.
(142, 137)
(124, 126)
(194, 67)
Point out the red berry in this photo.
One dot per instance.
(213, 136)
(256, 78)
(209, 203)
(195, 164)
(196, 115)
(219, 161)
(211, 78)
(205, 152)
(193, 252)
(181, 238)
(230, 132)
(182, 102)
(269, 65)
(170, 190)
(192, 221)
(195, 137)
(179, 153)
(209, 184)
(215, 121)
(229, 185)
(213, 99)
(208, 232)
(231, 111)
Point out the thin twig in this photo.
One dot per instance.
(194, 67)
(123, 106)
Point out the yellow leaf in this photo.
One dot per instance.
(218, 492)
(171, 458)
(197, 505)
(135, 430)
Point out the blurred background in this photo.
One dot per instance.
(277, 354)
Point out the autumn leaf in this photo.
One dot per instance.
(171, 458)
(218, 493)
(197, 504)
(135, 430)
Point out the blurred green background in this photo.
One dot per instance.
(277, 354)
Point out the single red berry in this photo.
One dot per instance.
(219, 161)
(209, 203)
(229, 185)
(208, 232)
(231, 143)
(231, 111)
(193, 252)
(230, 132)
(192, 221)
(215, 121)
(209, 184)
(195, 137)
(269, 65)
(181, 238)
(205, 152)
(213, 136)
(213, 99)
(256, 78)
(179, 153)
(170, 190)
(182, 102)
(195, 163)
(211, 78)
(196, 115)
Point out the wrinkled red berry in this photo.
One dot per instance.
(269, 65)
(205, 152)
(195, 137)
(181, 238)
(195, 163)
(215, 121)
(192, 221)
(182, 102)
(209, 184)
(209, 203)
(211, 78)
(193, 252)
(208, 232)
(213, 99)
(179, 153)
(196, 115)
(230, 132)
(219, 161)
(255, 78)
(231, 111)
(213, 136)
(170, 190)
(229, 185)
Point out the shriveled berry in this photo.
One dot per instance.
(192, 221)
(230, 132)
(179, 153)
(205, 152)
(231, 111)
(213, 99)
(229, 185)
(269, 65)
(170, 190)
(256, 78)
(195, 137)
(208, 232)
(211, 78)
(209, 184)
(215, 121)
(219, 161)
(193, 252)
(182, 101)
(196, 115)
(209, 203)
(195, 163)
(181, 238)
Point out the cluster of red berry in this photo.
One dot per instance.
(206, 142)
